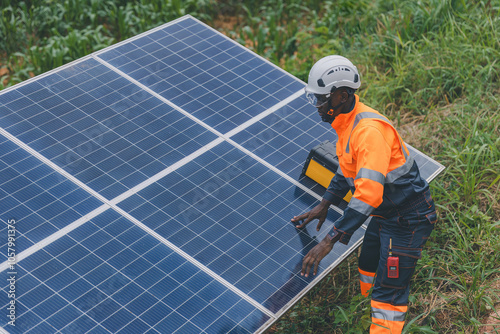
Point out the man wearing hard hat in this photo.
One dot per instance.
(376, 166)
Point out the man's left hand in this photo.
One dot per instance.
(315, 255)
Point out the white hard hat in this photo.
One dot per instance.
(332, 71)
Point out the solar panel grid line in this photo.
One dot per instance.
(224, 136)
(122, 231)
(112, 204)
(90, 140)
(204, 71)
(181, 252)
(44, 74)
(194, 261)
(52, 165)
(55, 292)
(239, 129)
(193, 66)
(55, 236)
(146, 72)
(232, 132)
(152, 92)
(109, 203)
(217, 171)
(87, 237)
(143, 34)
(104, 261)
(194, 206)
(40, 191)
(187, 17)
(269, 111)
(56, 117)
(280, 173)
(165, 172)
(103, 128)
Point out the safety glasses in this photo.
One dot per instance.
(317, 100)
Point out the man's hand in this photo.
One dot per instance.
(318, 212)
(315, 255)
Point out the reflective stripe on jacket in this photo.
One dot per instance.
(375, 165)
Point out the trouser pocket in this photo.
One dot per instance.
(408, 258)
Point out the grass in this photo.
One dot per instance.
(430, 65)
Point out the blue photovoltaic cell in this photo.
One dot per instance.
(100, 127)
(38, 199)
(109, 276)
(285, 137)
(233, 215)
(204, 72)
(428, 168)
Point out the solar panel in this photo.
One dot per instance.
(152, 185)
(109, 275)
(43, 201)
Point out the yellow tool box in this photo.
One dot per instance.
(321, 165)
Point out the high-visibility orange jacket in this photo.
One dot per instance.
(375, 165)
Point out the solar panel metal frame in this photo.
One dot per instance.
(220, 138)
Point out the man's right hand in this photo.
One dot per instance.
(318, 212)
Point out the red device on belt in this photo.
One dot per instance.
(392, 263)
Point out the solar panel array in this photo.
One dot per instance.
(152, 185)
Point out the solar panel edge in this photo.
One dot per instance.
(145, 33)
(90, 55)
(438, 171)
(316, 280)
(246, 49)
(185, 17)
(45, 74)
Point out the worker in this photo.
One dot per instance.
(376, 166)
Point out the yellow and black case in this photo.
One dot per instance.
(322, 164)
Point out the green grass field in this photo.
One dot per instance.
(432, 66)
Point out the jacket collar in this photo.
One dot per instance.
(342, 121)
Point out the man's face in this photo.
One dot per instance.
(329, 110)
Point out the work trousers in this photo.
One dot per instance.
(409, 228)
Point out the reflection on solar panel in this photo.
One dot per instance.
(152, 185)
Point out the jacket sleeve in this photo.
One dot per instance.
(372, 154)
(337, 189)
